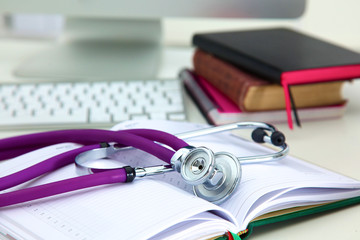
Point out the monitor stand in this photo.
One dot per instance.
(93, 49)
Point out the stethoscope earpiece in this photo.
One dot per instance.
(277, 138)
(259, 135)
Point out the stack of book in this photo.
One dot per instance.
(245, 75)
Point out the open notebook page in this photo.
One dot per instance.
(268, 186)
(137, 210)
(263, 188)
(202, 226)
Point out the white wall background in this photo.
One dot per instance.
(335, 20)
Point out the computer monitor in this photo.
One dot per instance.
(122, 39)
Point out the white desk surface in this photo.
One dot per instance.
(333, 144)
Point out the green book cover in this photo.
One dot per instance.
(292, 213)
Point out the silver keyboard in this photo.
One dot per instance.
(89, 103)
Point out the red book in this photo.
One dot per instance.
(282, 56)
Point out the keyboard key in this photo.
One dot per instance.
(121, 116)
(158, 116)
(99, 115)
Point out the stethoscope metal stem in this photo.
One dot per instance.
(265, 158)
(223, 128)
(155, 170)
(84, 167)
(241, 125)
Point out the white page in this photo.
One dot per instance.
(137, 210)
(303, 197)
(265, 181)
(202, 226)
(76, 215)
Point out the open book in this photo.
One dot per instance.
(163, 207)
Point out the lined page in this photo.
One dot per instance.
(267, 186)
(146, 207)
(136, 210)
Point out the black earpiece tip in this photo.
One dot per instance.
(258, 135)
(277, 138)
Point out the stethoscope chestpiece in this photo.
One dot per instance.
(213, 176)
(194, 164)
(224, 180)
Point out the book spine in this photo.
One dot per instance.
(199, 97)
(237, 58)
(229, 79)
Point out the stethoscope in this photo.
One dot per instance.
(214, 176)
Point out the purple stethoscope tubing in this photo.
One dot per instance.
(143, 139)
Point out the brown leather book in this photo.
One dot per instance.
(251, 93)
